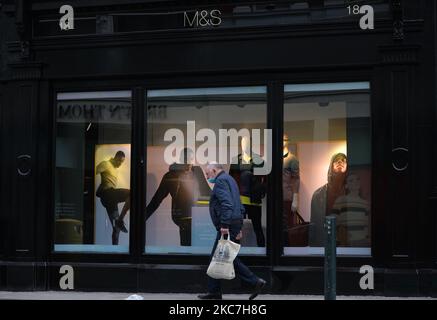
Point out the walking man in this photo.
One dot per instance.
(226, 213)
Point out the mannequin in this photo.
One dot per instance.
(180, 182)
(245, 147)
(352, 211)
(322, 201)
(252, 187)
(290, 187)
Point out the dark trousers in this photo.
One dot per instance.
(184, 225)
(286, 222)
(241, 270)
(254, 214)
(110, 199)
(113, 215)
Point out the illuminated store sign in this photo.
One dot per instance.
(202, 18)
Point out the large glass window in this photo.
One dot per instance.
(326, 167)
(186, 129)
(92, 176)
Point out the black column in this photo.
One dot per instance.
(433, 194)
(137, 236)
(2, 164)
(20, 178)
(275, 119)
(395, 227)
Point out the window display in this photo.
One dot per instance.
(252, 187)
(353, 214)
(326, 161)
(92, 176)
(326, 167)
(290, 193)
(182, 184)
(322, 201)
(112, 190)
(185, 127)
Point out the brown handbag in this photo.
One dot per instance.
(298, 230)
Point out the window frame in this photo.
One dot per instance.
(275, 107)
(206, 88)
(348, 87)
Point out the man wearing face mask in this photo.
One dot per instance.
(226, 213)
(324, 198)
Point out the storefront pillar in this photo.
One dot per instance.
(20, 181)
(395, 89)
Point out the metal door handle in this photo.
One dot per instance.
(400, 160)
(23, 165)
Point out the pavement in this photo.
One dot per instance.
(76, 295)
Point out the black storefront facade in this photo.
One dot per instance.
(122, 77)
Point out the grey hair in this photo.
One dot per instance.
(214, 165)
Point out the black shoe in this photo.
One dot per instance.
(258, 287)
(210, 296)
(120, 225)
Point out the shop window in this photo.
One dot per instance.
(186, 129)
(92, 175)
(327, 167)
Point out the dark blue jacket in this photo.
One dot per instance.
(225, 206)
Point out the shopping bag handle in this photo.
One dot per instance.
(223, 238)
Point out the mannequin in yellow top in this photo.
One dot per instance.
(110, 195)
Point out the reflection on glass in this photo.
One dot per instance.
(92, 177)
(326, 167)
(194, 124)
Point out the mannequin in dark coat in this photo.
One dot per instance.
(324, 198)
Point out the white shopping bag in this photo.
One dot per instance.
(222, 263)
